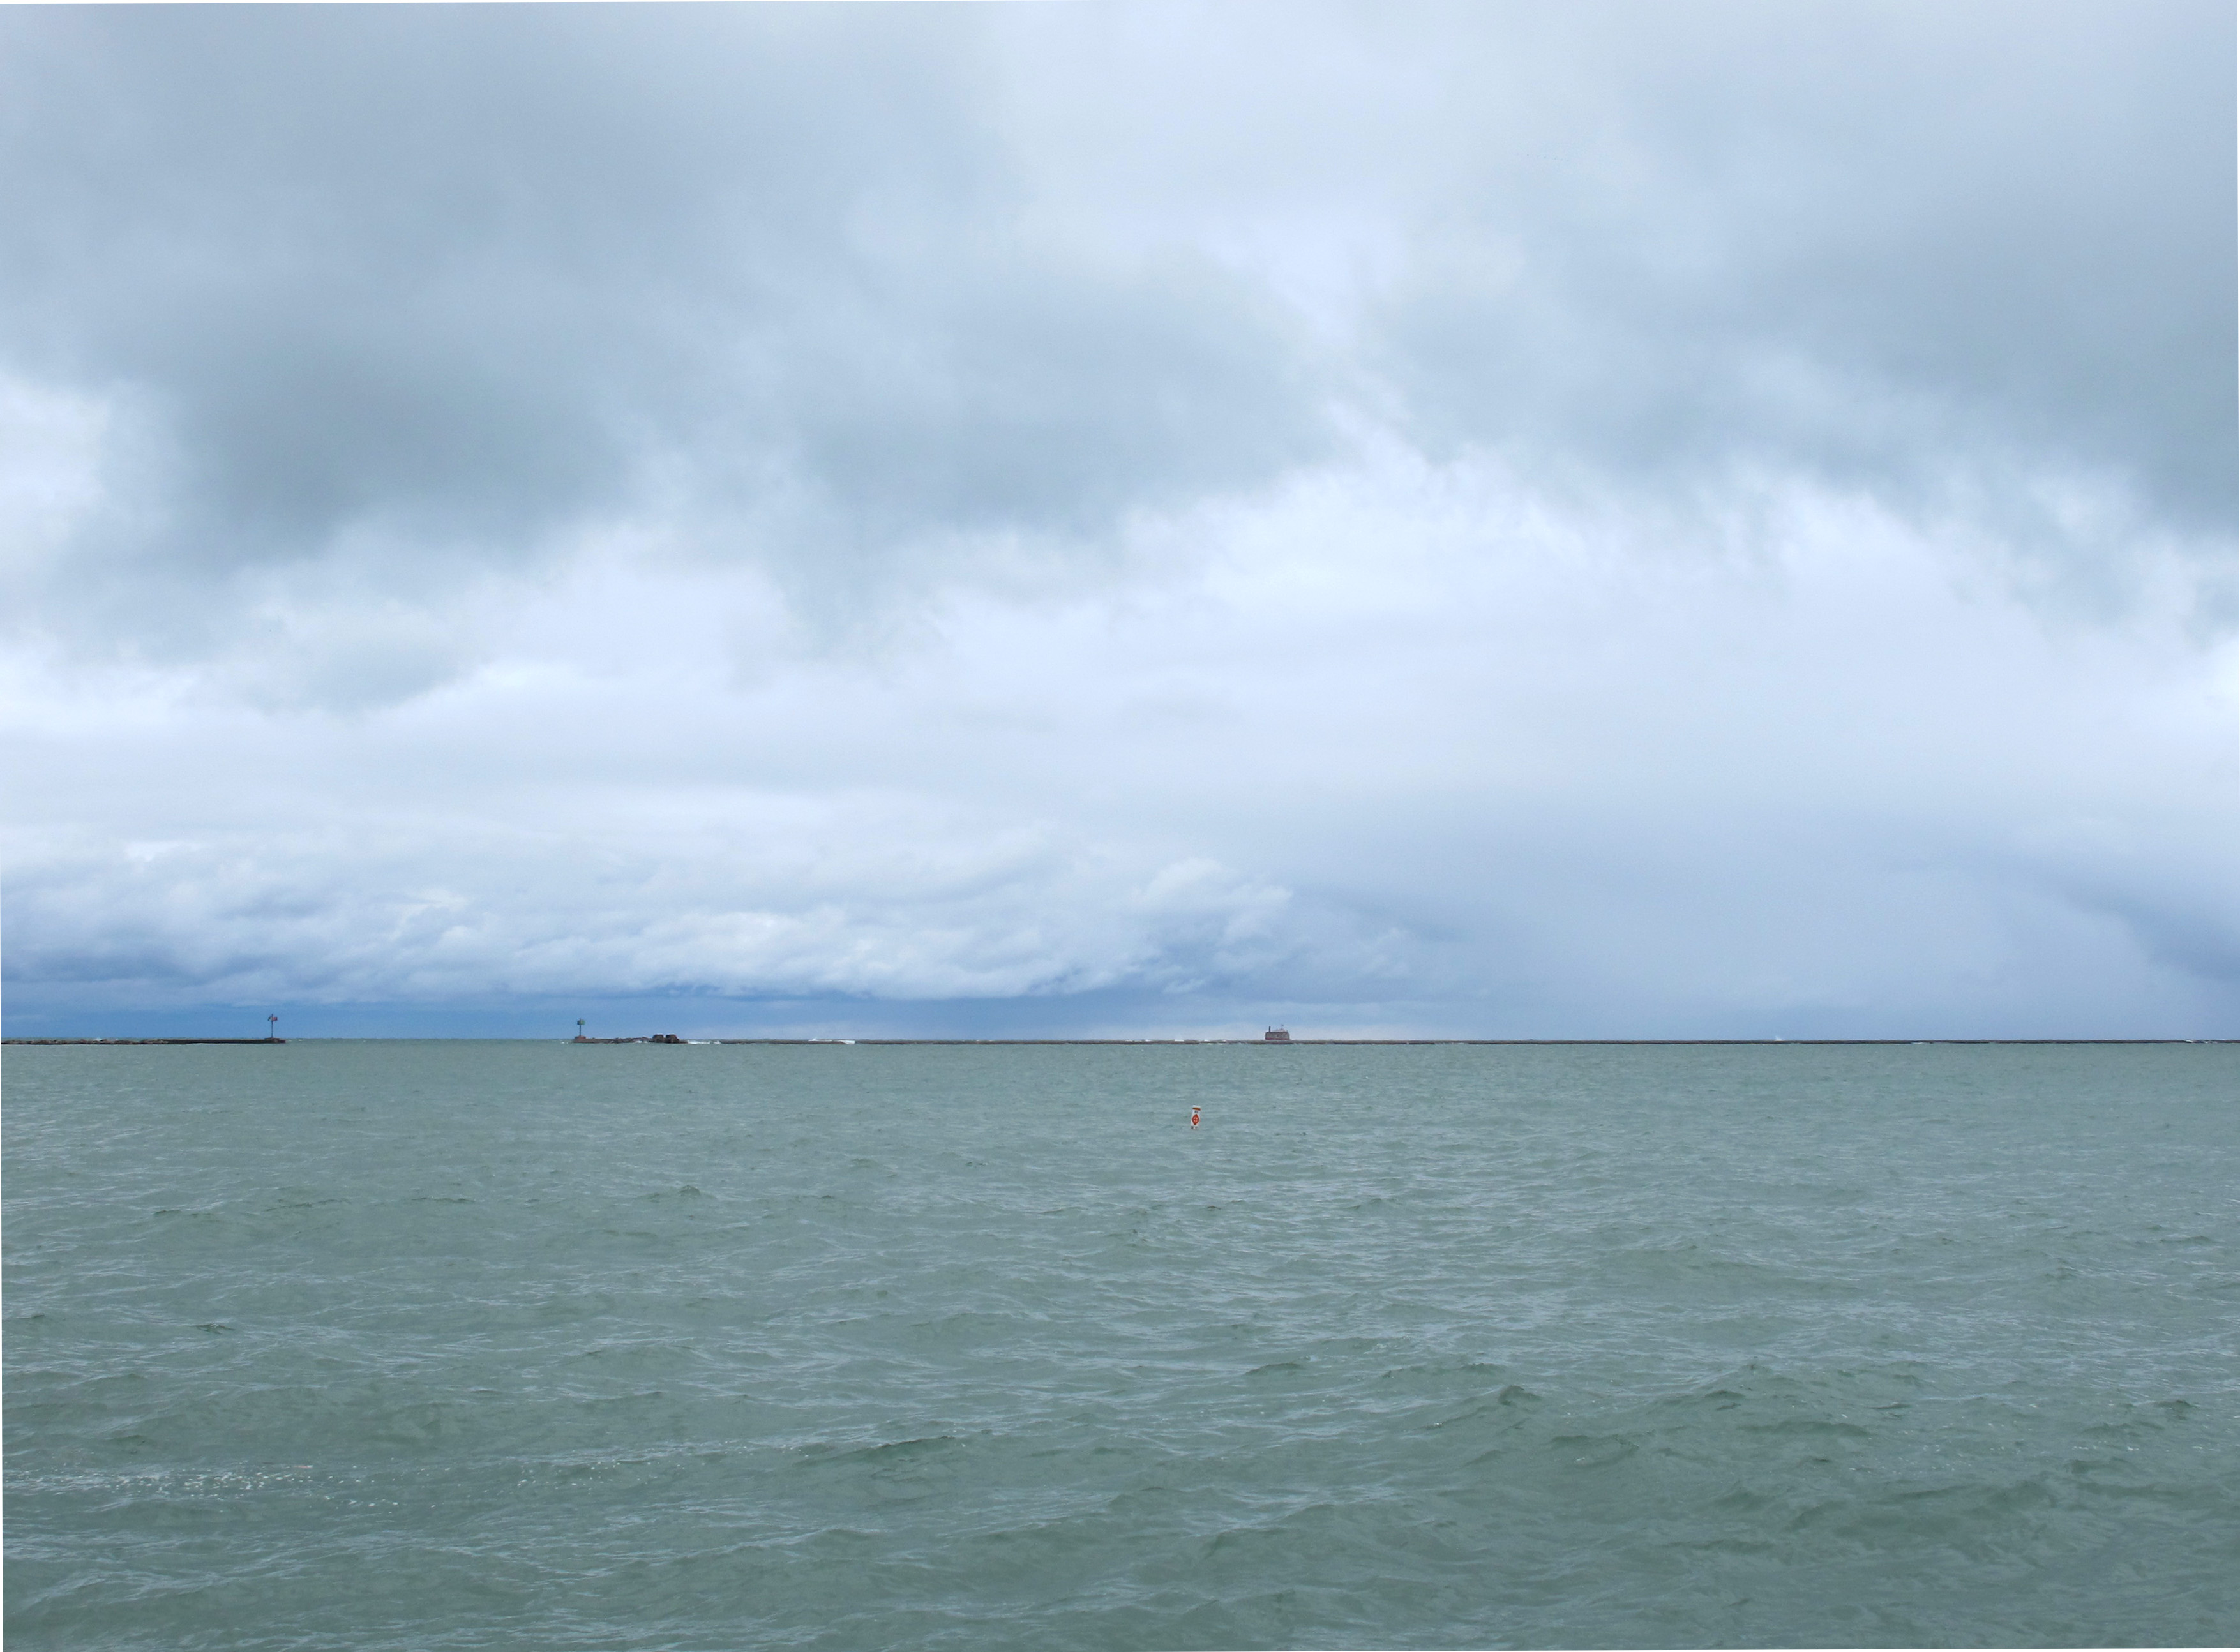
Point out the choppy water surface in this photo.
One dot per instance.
(397, 1345)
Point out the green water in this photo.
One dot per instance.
(437, 1345)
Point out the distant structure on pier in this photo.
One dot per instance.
(1276, 1035)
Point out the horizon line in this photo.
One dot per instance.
(1144, 1042)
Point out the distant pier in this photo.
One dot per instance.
(143, 1041)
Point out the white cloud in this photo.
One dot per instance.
(1397, 735)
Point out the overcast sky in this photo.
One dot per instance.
(1655, 519)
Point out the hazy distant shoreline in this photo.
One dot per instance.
(1293, 1044)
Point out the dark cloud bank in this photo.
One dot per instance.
(1618, 520)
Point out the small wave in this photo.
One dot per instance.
(891, 1454)
(1595, 1451)
(1809, 1426)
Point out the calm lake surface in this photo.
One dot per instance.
(389, 1344)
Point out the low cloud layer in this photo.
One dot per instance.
(1639, 519)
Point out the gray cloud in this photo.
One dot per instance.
(469, 276)
(1885, 242)
(468, 280)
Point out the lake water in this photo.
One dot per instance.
(443, 1345)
